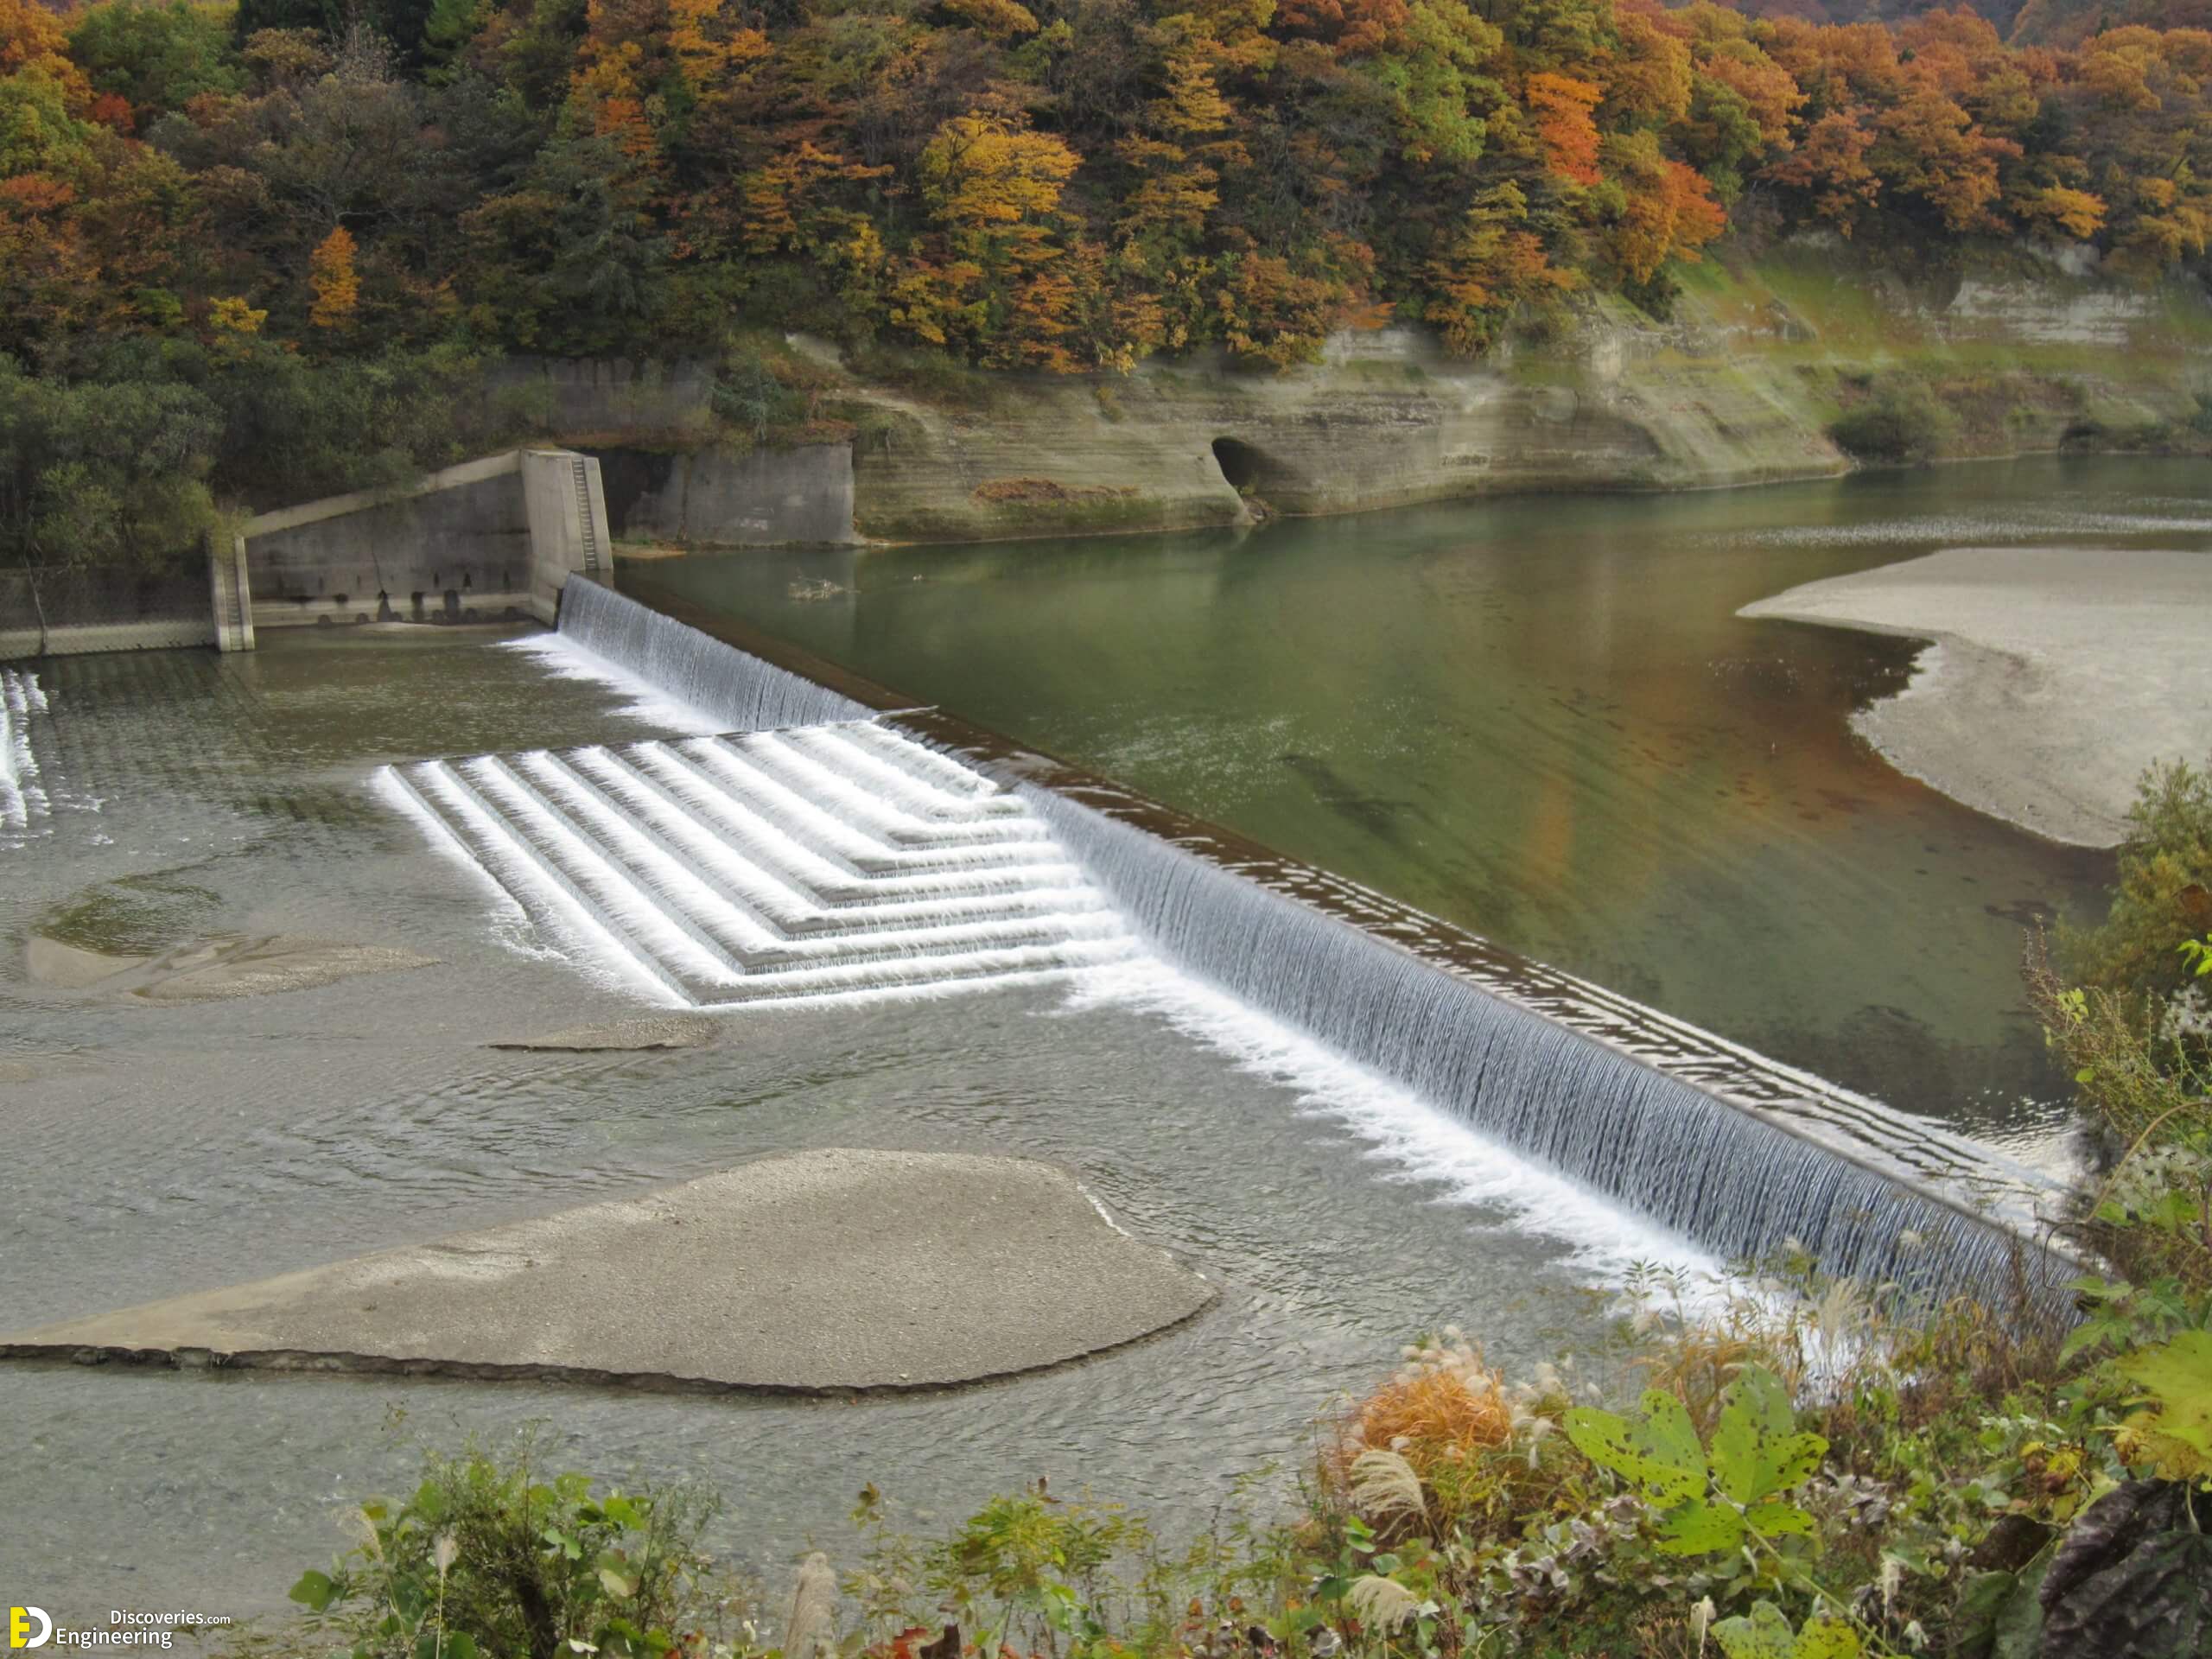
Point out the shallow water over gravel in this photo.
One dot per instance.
(162, 1149)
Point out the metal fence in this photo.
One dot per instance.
(61, 611)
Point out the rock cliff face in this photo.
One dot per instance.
(1387, 421)
(1738, 385)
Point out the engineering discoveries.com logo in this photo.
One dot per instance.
(28, 1627)
(34, 1627)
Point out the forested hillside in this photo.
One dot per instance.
(253, 251)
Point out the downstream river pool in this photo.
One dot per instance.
(158, 1149)
(1542, 719)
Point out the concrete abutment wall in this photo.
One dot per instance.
(487, 540)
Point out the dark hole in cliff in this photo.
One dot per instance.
(1241, 464)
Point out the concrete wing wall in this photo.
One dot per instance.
(489, 540)
(456, 549)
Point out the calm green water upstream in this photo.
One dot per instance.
(1542, 719)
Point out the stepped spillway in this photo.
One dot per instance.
(831, 861)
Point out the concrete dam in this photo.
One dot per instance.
(830, 843)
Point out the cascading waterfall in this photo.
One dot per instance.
(831, 863)
(1729, 1180)
(820, 850)
(729, 686)
(23, 796)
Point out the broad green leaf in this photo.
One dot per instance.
(1699, 1528)
(1764, 1634)
(314, 1590)
(1828, 1637)
(616, 1584)
(2177, 1376)
(1659, 1453)
(1779, 1521)
(1756, 1450)
(459, 1644)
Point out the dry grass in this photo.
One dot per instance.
(1445, 1405)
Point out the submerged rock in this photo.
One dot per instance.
(71, 967)
(207, 973)
(214, 969)
(656, 1031)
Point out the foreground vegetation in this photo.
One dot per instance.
(1813, 1469)
(259, 252)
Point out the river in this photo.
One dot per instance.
(1541, 719)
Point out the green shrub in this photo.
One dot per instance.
(1900, 420)
(488, 1557)
(2165, 871)
(750, 397)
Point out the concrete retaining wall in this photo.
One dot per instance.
(719, 498)
(486, 541)
(67, 613)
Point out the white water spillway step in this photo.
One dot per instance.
(23, 797)
(830, 860)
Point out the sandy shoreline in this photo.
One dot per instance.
(2055, 676)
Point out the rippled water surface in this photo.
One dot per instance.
(1542, 719)
(154, 1150)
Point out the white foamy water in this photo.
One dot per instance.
(1424, 1146)
(804, 855)
(23, 793)
(642, 701)
(714, 874)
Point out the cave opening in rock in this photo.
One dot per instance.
(1241, 464)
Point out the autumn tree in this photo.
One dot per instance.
(331, 274)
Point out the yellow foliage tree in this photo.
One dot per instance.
(331, 274)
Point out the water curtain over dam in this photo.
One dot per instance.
(732, 687)
(1644, 1108)
(852, 852)
(23, 796)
